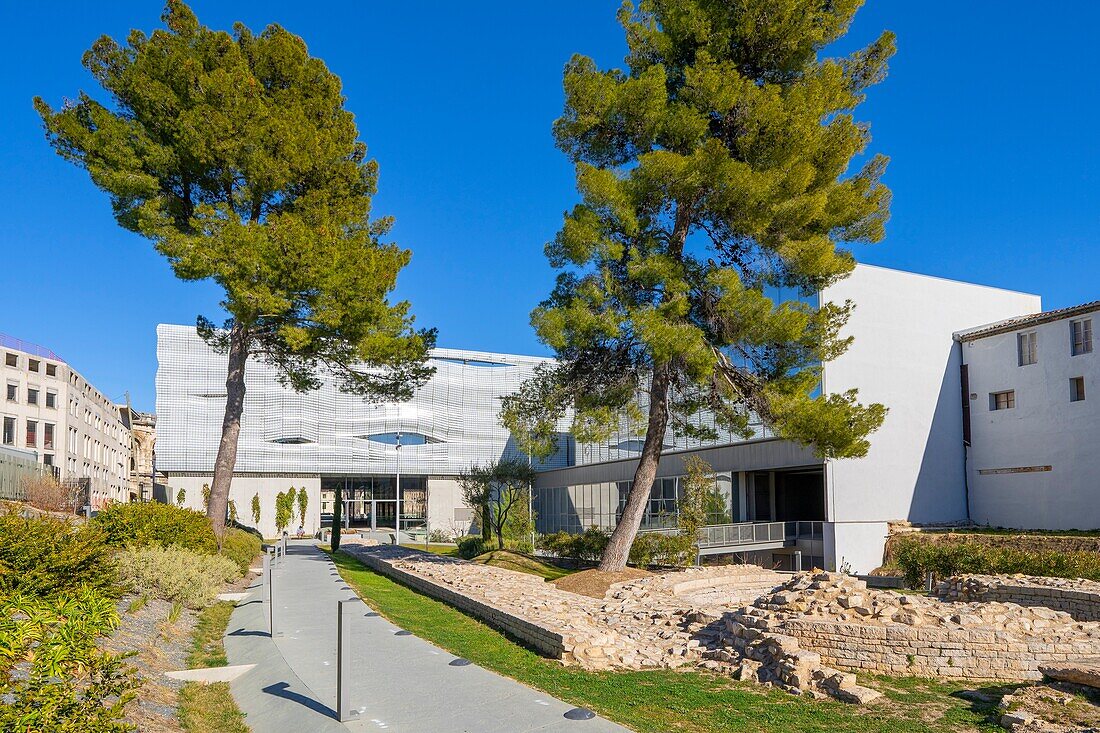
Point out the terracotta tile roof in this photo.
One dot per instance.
(1020, 322)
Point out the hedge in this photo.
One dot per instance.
(944, 559)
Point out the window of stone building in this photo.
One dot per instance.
(51, 370)
(32, 433)
(9, 431)
(33, 365)
(47, 436)
(1002, 400)
(32, 396)
(1076, 389)
(1027, 348)
(11, 360)
(51, 399)
(1082, 336)
(13, 392)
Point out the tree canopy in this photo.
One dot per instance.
(713, 173)
(234, 153)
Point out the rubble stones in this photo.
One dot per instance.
(1079, 671)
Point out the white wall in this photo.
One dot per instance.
(444, 497)
(904, 357)
(1044, 429)
(244, 487)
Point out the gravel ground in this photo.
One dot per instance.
(161, 646)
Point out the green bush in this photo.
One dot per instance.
(439, 536)
(176, 573)
(53, 676)
(917, 558)
(152, 523)
(586, 547)
(44, 556)
(241, 547)
(474, 545)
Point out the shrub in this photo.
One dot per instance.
(52, 675)
(241, 547)
(44, 556)
(440, 536)
(944, 559)
(176, 573)
(139, 525)
(46, 492)
(586, 547)
(471, 547)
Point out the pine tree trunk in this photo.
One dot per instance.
(618, 547)
(231, 430)
(337, 514)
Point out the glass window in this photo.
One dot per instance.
(51, 399)
(32, 433)
(47, 436)
(1076, 389)
(1082, 336)
(1027, 348)
(9, 431)
(1002, 400)
(33, 365)
(32, 396)
(51, 370)
(11, 360)
(13, 393)
(48, 459)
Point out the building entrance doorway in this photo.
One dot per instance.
(370, 502)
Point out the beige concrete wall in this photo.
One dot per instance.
(244, 487)
(445, 506)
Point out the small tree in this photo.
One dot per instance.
(496, 491)
(256, 509)
(206, 497)
(232, 512)
(181, 497)
(235, 155)
(284, 509)
(303, 504)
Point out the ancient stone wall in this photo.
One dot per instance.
(858, 629)
(1079, 598)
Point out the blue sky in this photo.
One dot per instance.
(989, 116)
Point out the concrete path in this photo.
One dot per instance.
(400, 683)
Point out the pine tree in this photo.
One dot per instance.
(235, 155)
(711, 171)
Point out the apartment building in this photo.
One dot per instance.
(52, 412)
(1031, 423)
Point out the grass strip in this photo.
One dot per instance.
(209, 708)
(660, 701)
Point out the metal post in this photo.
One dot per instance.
(798, 561)
(397, 532)
(929, 581)
(343, 660)
(530, 496)
(271, 605)
(265, 594)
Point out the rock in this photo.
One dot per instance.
(856, 694)
(1085, 671)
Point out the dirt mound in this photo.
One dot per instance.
(594, 583)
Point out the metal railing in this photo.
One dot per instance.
(10, 342)
(804, 530)
(734, 535)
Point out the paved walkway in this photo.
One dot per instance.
(400, 683)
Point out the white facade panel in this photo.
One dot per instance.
(327, 431)
(903, 356)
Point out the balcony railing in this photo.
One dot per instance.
(738, 534)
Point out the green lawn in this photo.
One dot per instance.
(519, 562)
(441, 548)
(666, 700)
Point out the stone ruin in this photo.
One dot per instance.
(808, 633)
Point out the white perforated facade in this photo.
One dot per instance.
(300, 439)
